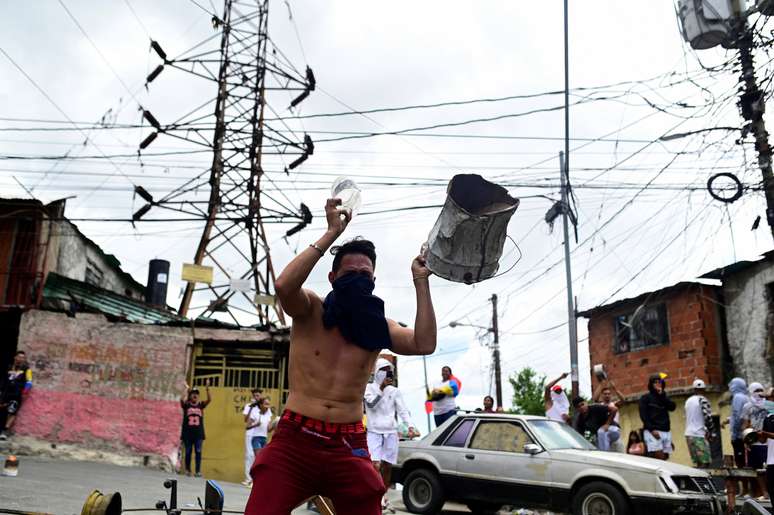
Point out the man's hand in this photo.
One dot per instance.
(387, 382)
(413, 433)
(564, 375)
(337, 218)
(656, 434)
(419, 268)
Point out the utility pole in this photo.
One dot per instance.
(571, 318)
(427, 388)
(496, 353)
(752, 105)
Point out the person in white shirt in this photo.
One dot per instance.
(250, 413)
(609, 435)
(383, 405)
(699, 428)
(555, 401)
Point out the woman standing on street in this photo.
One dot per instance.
(193, 426)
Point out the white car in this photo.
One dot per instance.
(489, 460)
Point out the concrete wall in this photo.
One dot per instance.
(694, 349)
(747, 311)
(104, 386)
(630, 420)
(73, 253)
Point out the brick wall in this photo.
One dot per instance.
(693, 350)
(102, 385)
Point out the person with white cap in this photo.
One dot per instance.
(555, 401)
(383, 405)
(699, 427)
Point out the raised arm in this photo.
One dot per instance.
(422, 339)
(296, 301)
(184, 397)
(209, 397)
(547, 389)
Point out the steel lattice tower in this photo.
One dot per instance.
(247, 69)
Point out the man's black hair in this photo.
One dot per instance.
(447, 366)
(256, 390)
(356, 245)
(193, 391)
(577, 401)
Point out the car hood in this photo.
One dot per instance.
(625, 461)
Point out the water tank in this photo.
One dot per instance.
(705, 23)
(158, 279)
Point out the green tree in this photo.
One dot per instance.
(527, 392)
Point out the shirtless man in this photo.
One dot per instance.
(320, 446)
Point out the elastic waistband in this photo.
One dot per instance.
(322, 427)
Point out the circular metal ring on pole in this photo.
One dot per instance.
(737, 192)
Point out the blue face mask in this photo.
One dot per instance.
(357, 313)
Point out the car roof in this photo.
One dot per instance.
(512, 416)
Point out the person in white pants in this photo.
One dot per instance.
(383, 402)
(251, 413)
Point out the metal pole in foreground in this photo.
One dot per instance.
(427, 388)
(571, 320)
(496, 353)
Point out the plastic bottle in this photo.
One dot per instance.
(348, 191)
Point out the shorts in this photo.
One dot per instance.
(258, 442)
(383, 447)
(309, 457)
(698, 447)
(756, 459)
(13, 407)
(740, 456)
(663, 443)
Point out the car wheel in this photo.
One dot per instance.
(480, 508)
(422, 492)
(598, 498)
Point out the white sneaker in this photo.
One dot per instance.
(386, 505)
(3, 436)
(247, 483)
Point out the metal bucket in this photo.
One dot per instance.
(467, 240)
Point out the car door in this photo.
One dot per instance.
(496, 462)
(449, 448)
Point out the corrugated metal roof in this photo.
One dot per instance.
(59, 287)
(647, 296)
(739, 266)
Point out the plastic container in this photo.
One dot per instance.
(348, 191)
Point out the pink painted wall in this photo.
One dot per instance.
(102, 385)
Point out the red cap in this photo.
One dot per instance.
(556, 388)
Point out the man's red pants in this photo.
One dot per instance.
(308, 457)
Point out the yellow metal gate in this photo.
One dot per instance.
(231, 373)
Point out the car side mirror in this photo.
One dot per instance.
(532, 449)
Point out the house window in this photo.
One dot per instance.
(94, 274)
(644, 327)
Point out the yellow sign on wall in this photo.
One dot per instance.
(197, 273)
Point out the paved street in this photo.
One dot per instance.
(60, 487)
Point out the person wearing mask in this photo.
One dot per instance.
(654, 413)
(609, 437)
(193, 426)
(443, 396)
(635, 445)
(739, 397)
(591, 418)
(488, 404)
(384, 405)
(555, 401)
(16, 387)
(754, 414)
(250, 413)
(699, 427)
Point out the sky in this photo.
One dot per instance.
(645, 217)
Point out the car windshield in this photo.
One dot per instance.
(556, 435)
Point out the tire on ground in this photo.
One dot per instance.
(422, 492)
(599, 497)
